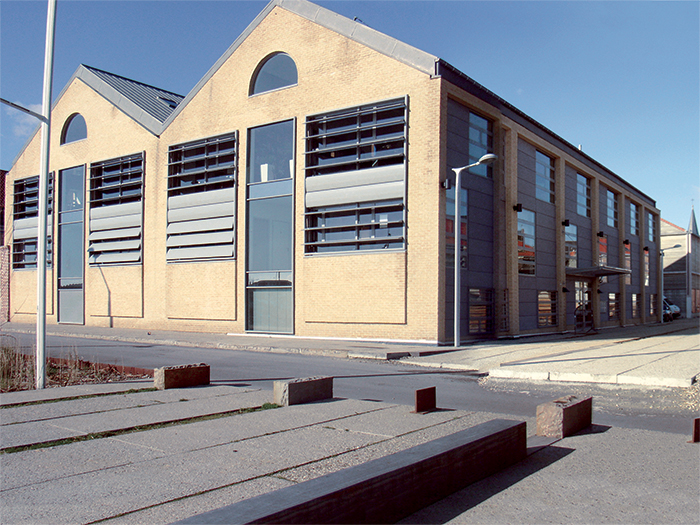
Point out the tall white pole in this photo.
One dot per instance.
(458, 249)
(43, 200)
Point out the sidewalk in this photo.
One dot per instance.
(651, 355)
(161, 456)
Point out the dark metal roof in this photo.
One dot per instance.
(156, 102)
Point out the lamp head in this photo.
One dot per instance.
(489, 158)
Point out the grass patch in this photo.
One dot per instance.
(17, 370)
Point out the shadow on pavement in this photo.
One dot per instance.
(451, 507)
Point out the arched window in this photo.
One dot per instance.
(275, 72)
(74, 129)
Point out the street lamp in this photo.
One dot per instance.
(661, 252)
(486, 159)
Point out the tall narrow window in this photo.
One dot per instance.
(611, 207)
(636, 305)
(116, 210)
(355, 178)
(25, 222)
(603, 254)
(571, 246)
(201, 199)
(546, 309)
(450, 224)
(275, 72)
(544, 177)
(480, 143)
(270, 228)
(481, 311)
(634, 219)
(526, 242)
(583, 195)
(652, 304)
(613, 306)
(628, 263)
(651, 227)
(74, 129)
(647, 272)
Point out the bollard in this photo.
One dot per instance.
(425, 400)
(182, 376)
(305, 390)
(564, 416)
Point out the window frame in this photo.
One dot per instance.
(118, 245)
(634, 219)
(547, 315)
(201, 174)
(27, 207)
(571, 246)
(523, 260)
(545, 177)
(612, 213)
(264, 64)
(583, 195)
(67, 128)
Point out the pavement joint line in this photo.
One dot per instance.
(50, 418)
(75, 398)
(276, 473)
(83, 436)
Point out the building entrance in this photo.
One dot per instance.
(584, 307)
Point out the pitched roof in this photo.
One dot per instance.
(150, 106)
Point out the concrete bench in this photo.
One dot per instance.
(387, 489)
(181, 376)
(303, 390)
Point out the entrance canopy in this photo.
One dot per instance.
(596, 271)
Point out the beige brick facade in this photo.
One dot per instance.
(393, 295)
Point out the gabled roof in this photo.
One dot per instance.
(149, 106)
(351, 29)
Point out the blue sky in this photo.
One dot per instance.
(620, 78)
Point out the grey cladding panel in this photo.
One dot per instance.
(368, 185)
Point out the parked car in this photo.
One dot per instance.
(675, 310)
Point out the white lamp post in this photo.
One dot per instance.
(661, 252)
(486, 159)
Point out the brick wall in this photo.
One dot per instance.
(4, 284)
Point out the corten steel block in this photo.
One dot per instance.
(426, 399)
(564, 416)
(181, 376)
(302, 390)
(696, 430)
(387, 489)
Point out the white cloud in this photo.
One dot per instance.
(23, 124)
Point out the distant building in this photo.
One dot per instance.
(682, 265)
(305, 186)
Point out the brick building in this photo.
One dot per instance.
(304, 186)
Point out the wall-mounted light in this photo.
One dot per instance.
(518, 207)
(600, 291)
(565, 222)
(646, 249)
(626, 242)
(565, 289)
(600, 234)
(446, 184)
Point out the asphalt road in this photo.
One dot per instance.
(662, 409)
